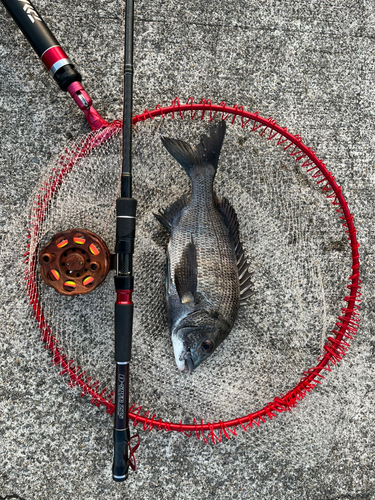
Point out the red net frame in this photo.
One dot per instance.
(335, 347)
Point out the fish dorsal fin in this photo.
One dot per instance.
(230, 218)
(206, 152)
(185, 275)
(171, 215)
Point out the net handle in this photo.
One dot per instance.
(53, 56)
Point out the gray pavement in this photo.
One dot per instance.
(310, 65)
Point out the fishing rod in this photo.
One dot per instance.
(125, 233)
(69, 79)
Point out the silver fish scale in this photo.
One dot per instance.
(217, 273)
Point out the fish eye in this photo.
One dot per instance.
(207, 346)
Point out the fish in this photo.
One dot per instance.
(207, 271)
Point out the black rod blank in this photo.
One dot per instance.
(125, 234)
(126, 183)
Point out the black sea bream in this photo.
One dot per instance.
(207, 272)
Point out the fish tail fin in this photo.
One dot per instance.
(206, 152)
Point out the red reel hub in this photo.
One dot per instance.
(74, 262)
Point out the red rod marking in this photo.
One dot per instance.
(124, 297)
(52, 56)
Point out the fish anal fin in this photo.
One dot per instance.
(170, 216)
(185, 275)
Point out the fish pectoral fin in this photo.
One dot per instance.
(185, 275)
(170, 216)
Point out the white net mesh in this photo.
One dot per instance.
(299, 255)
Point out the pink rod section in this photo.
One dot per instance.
(84, 102)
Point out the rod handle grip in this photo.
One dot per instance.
(123, 332)
(120, 469)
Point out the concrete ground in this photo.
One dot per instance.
(310, 65)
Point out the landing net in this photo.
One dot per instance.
(297, 231)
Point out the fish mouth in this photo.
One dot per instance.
(184, 355)
(189, 363)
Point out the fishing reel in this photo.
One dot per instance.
(74, 262)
